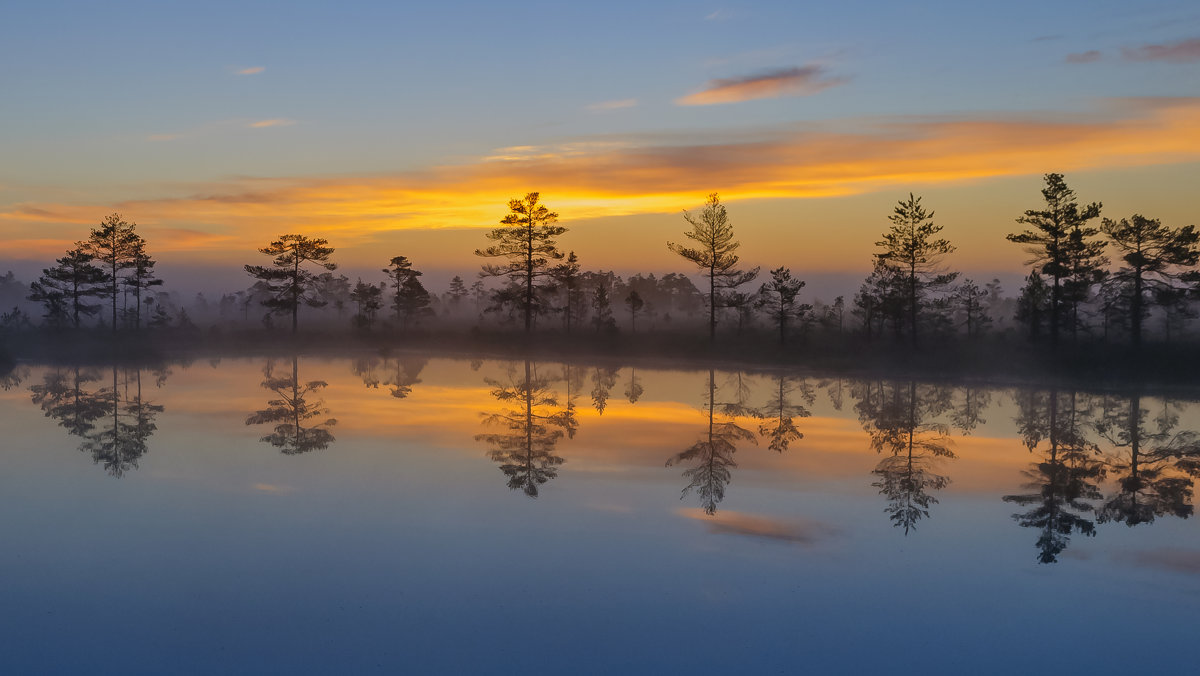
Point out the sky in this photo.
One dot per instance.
(403, 129)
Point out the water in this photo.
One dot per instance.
(446, 516)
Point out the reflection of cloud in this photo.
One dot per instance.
(800, 531)
(1184, 51)
(1084, 57)
(614, 177)
(612, 105)
(795, 81)
(255, 70)
(273, 489)
(1175, 560)
(276, 122)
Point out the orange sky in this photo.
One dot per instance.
(813, 196)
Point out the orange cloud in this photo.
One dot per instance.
(254, 70)
(637, 175)
(795, 81)
(276, 122)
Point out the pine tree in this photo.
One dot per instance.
(779, 297)
(113, 245)
(527, 241)
(64, 289)
(911, 248)
(1156, 258)
(286, 280)
(1049, 242)
(715, 256)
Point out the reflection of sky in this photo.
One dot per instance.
(401, 548)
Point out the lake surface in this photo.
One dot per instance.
(403, 514)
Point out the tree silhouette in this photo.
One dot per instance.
(368, 299)
(410, 300)
(898, 419)
(114, 245)
(527, 242)
(1048, 241)
(911, 248)
(634, 390)
(880, 300)
(287, 281)
(635, 304)
(711, 457)
(1154, 467)
(603, 380)
(1155, 259)
(529, 428)
(141, 278)
(64, 289)
(294, 412)
(567, 277)
(1066, 478)
(779, 297)
(780, 413)
(715, 255)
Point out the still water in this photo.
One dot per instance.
(403, 514)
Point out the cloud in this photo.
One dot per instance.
(612, 105)
(799, 531)
(1184, 51)
(652, 173)
(255, 70)
(795, 81)
(276, 122)
(163, 137)
(1084, 57)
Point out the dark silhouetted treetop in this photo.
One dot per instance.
(64, 289)
(527, 241)
(780, 298)
(1156, 259)
(287, 280)
(912, 247)
(715, 254)
(114, 246)
(1047, 241)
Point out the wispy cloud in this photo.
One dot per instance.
(1089, 56)
(794, 81)
(591, 178)
(163, 137)
(612, 105)
(254, 70)
(1183, 51)
(274, 122)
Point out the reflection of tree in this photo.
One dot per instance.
(406, 373)
(634, 390)
(365, 368)
(968, 413)
(1067, 476)
(603, 380)
(573, 379)
(114, 421)
(293, 412)
(529, 428)
(1155, 467)
(898, 419)
(63, 397)
(712, 456)
(779, 413)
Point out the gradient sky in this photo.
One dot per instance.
(397, 128)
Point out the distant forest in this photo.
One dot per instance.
(1091, 280)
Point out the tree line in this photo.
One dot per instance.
(1089, 276)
